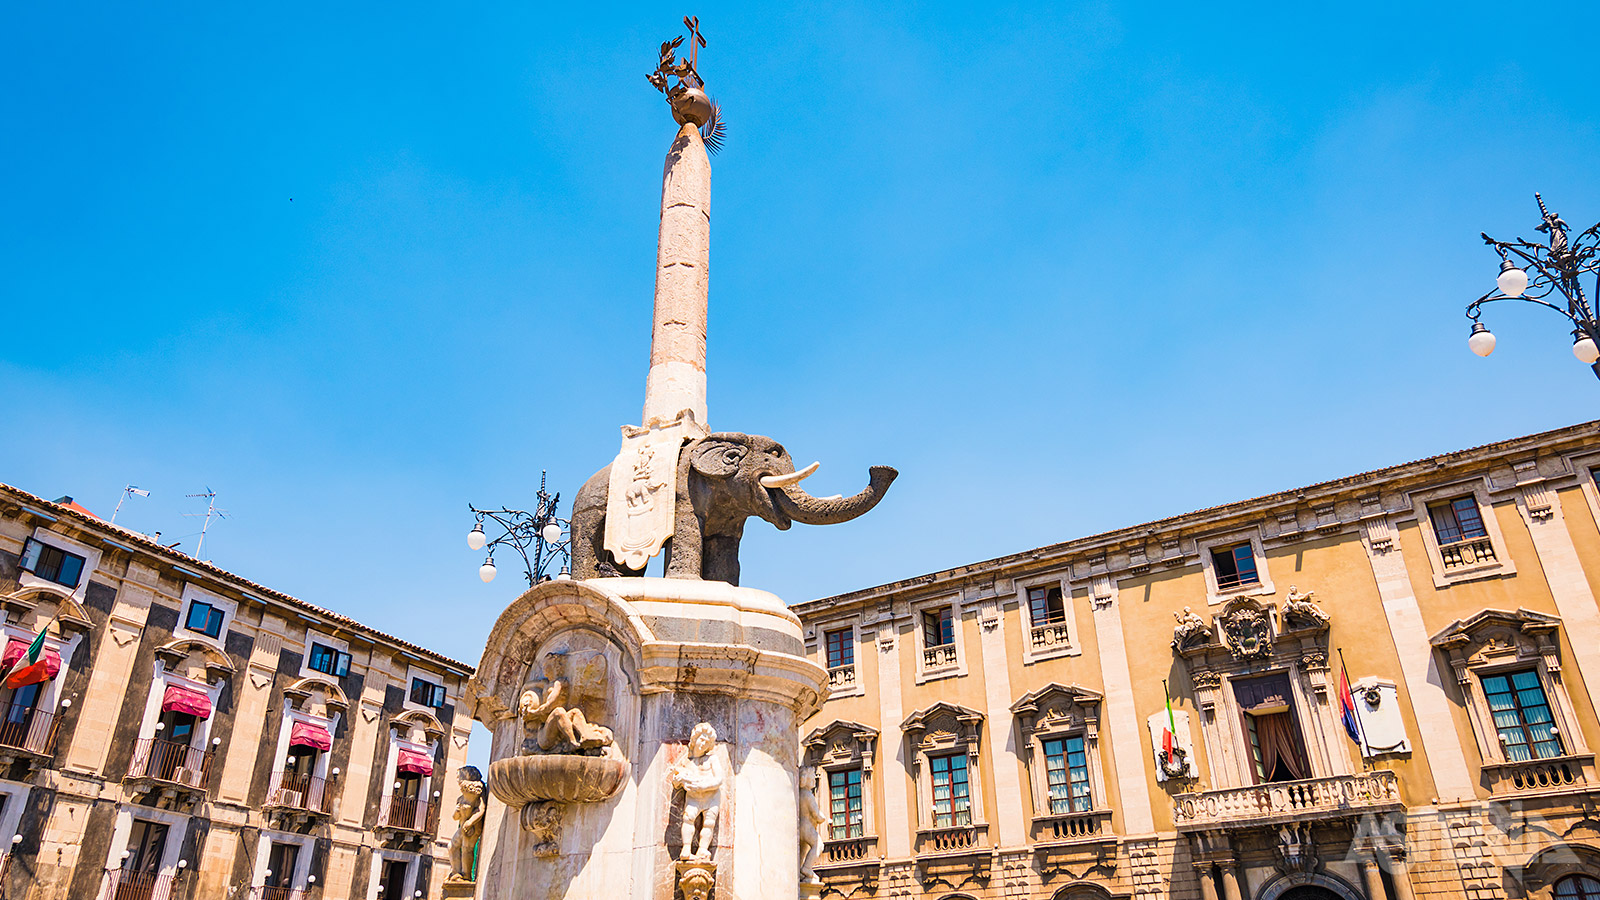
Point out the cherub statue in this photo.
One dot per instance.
(549, 727)
(811, 820)
(700, 777)
(469, 812)
(1190, 627)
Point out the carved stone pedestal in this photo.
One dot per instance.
(656, 661)
(458, 890)
(811, 890)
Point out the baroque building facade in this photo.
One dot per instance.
(190, 734)
(1002, 729)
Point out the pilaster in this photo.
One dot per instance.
(1121, 716)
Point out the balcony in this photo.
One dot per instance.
(405, 814)
(842, 677)
(34, 734)
(938, 659)
(170, 766)
(954, 854)
(277, 893)
(1541, 777)
(1049, 636)
(849, 851)
(1071, 828)
(303, 794)
(1467, 553)
(1286, 801)
(121, 884)
(959, 839)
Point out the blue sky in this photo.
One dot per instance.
(1068, 268)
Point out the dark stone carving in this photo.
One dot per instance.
(719, 486)
(1247, 628)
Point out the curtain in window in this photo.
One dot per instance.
(1282, 757)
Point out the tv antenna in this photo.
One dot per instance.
(211, 511)
(130, 489)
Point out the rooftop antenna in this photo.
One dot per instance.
(130, 489)
(211, 510)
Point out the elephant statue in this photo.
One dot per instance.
(722, 480)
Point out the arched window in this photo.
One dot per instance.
(1578, 887)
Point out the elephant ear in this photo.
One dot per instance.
(717, 458)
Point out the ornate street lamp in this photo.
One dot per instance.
(542, 530)
(1539, 270)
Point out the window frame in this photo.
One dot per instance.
(1068, 772)
(1033, 650)
(1478, 489)
(858, 808)
(1508, 676)
(1058, 712)
(34, 552)
(1216, 594)
(312, 646)
(45, 537)
(946, 764)
(955, 663)
(842, 746)
(434, 689)
(214, 619)
(939, 731)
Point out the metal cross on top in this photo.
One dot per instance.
(696, 41)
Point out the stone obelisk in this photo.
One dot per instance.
(677, 379)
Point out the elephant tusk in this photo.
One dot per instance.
(783, 481)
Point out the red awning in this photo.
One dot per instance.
(306, 734)
(17, 652)
(414, 763)
(181, 699)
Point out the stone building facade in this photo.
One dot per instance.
(1000, 730)
(206, 737)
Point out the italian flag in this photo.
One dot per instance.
(31, 667)
(1169, 735)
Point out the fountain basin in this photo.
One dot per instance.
(520, 780)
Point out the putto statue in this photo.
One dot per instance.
(1191, 629)
(548, 727)
(811, 822)
(699, 775)
(469, 812)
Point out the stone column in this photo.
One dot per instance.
(1208, 882)
(677, 379)
(1373, 877)
(1400, 875)
(1232, 884)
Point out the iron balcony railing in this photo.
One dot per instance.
(171, 762)
(289, 790)
(409, 813)
(34, 732)
(123, 884)
(277, 893)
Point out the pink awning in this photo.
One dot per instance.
(17, 652)
(305, 734)
(181, 699)
(414, 763)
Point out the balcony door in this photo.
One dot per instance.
(392, 882)
(281, 862)
(147, 843)
(172, 747)
(19, 705)
(1272, 729)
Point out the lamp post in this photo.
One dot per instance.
(548, 535)
(1531, 272)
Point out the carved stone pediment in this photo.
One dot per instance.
(1058, 707)
(943, 724)
(1247, 628)
(1495, 635)
(840, 742)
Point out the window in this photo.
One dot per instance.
(146, 843)
(302, 761)
(1277, 748)
(1457, 520)
(951, 806)
(1067, 775)
(426, 692)
(844, 804)
(281, 861)
(1577, 887)
(392, 883)
(1235, 565)
(52, 563)
(1521, 716)
(938, 627)
(841, 648)
(1045, 606)
(329, 661)
(204, 618)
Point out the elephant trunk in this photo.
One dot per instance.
(808, 510)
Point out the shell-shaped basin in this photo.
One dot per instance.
(520, 780)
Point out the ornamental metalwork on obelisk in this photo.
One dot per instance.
(646, 729)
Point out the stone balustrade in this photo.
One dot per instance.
(842, 676)
(1556, 775)
(1052, 635)
(1471, 552)
(1311, 798)
(1069, 827)
(959, 839)
(848, 851)
(938, 658)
